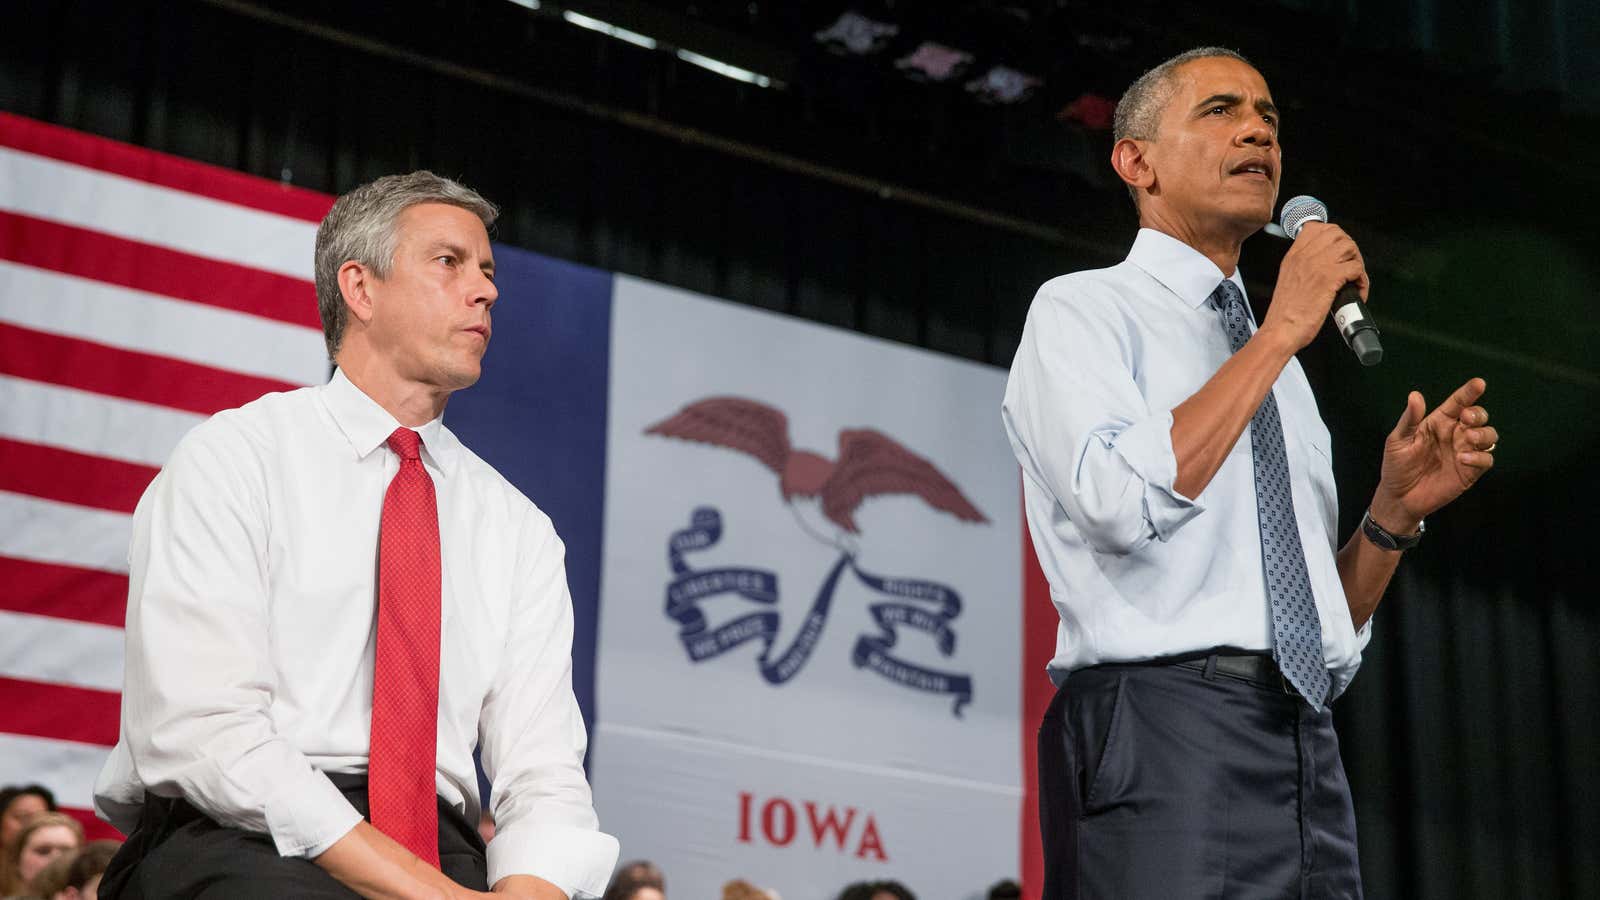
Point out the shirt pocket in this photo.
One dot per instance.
(1312, 454)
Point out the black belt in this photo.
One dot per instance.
(1255, 668)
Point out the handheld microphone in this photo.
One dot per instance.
(1360, 333)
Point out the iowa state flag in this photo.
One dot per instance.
(795, 553)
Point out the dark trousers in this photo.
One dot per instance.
(176, 853)
(1159, 781)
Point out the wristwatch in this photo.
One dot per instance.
(1376, 534)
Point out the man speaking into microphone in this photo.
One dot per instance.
(1180, 495)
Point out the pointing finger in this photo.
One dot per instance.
(1463, 398)
(1411, 417)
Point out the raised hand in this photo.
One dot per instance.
(1430, 460)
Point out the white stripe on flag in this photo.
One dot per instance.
(67, 768)
(134, 320)
(64, 533)
(62, 192)
(36, 648)
(90, 423)
(64, 417)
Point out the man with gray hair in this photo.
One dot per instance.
(332, 601)
(1180, 495)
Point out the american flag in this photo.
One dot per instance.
(139, 294)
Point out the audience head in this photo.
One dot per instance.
(877, 890)
(638, 880)
(46, 836)
(76, 875)
(18, 804)
(1005, 890)
(52, 879)
(739, 889)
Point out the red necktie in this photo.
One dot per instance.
(405, 682)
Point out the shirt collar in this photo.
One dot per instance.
(367, 426)
(1181, 268)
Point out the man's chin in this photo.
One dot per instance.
(460, 377)
(1249, 221)
(1254, 211)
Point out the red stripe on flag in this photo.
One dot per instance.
(117, 158)
(1039, 623)
(59, 712)
(68, 476)
(88, 366)
(64, 592)
(144, 267)
(93, 828)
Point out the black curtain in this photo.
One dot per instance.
(1471, 735)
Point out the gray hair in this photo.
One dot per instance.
(364, 226)
(1139, 111)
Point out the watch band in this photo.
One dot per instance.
(1376, 534)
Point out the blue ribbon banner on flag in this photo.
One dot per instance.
(690, 586)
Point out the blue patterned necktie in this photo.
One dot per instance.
(1296, 630)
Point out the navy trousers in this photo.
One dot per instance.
(1166, 783)
(176, 853)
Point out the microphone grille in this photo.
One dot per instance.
(1297, 211)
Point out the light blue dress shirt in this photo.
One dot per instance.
(1136, 569)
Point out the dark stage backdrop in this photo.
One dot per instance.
(1471, 736)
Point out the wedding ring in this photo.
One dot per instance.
(1490, 448)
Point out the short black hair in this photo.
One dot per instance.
(11, 792)
(1005, 890)
(866, 890)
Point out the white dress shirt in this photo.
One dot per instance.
(1136, 569)
(251, 625)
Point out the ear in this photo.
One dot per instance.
(1129, 161)
(354, 280)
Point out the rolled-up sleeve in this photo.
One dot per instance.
(533, 739)
(1080, 426)
(199, 682)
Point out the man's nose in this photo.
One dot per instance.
(486, 292)
(1258, 134)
